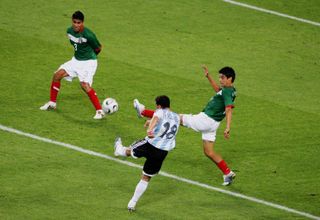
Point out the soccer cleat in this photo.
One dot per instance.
(117, 145)
(130, 209)
(99, 114)
(132, 206)
(227, 179)
(48, 106)
(139, 107)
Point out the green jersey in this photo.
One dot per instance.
(85, 43)
(216, 106)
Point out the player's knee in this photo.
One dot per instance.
(146, 178)
(209, 153)
(57, 76)
(85, 86)
(208, 149)
(181, 119)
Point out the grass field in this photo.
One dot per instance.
(152, 48)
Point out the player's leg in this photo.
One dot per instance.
(94, 99)
(120, 150)
(85, 71)
(141, 110)
(181, 119)
(54, 89)
(151, 167)
(228, 175)
(136, 150)
(138, 192)
(56, 83)
(212, 155)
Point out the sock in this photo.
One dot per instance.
(94, 99)
(54, 89)
(140, 189)
(122, 151)
(147, 113)
(223, 167)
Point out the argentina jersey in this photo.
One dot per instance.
(166, 130)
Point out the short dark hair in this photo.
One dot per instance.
(228, 72)
(163, 101)
(78, 15)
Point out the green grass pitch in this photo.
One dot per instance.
(152, 48)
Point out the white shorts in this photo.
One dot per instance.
(202, 123)
(83, 69)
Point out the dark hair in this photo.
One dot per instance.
(228, 72)
(78, 15)
(163, 101)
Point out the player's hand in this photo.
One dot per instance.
(227, 133)
(206, 70)
(150, 134)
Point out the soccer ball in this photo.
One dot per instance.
(110, 105)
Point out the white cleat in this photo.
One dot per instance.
(99, 115)
(131, 206)
(228, 179)
(117, 145)
(48, 106)
(139, 107)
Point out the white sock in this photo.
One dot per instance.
(122, 151)
(140, 189)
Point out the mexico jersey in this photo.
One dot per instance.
(166, 130)
(84, 43)
(216, 106)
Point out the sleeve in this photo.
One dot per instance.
(158, 113)
(227, 97)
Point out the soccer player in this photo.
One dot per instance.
(82, 65)
(160, 139)
(207, 122)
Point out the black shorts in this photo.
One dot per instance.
(154, 156)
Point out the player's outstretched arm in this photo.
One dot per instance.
(228, 121)
(214, 85)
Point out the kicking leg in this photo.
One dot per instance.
(141, 110)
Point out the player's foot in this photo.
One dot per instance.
(48, 106)
(117, 146)
(227, 179)
(131, 206)
(139, 107)
(99, 115)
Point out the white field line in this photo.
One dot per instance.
(272, 12)
(181, 179)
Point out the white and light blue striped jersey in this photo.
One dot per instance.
(165, 130)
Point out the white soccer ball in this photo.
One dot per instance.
(110, 105)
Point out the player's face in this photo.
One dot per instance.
(77, 25)
(224, 81)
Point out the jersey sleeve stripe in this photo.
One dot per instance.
(230, 106)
